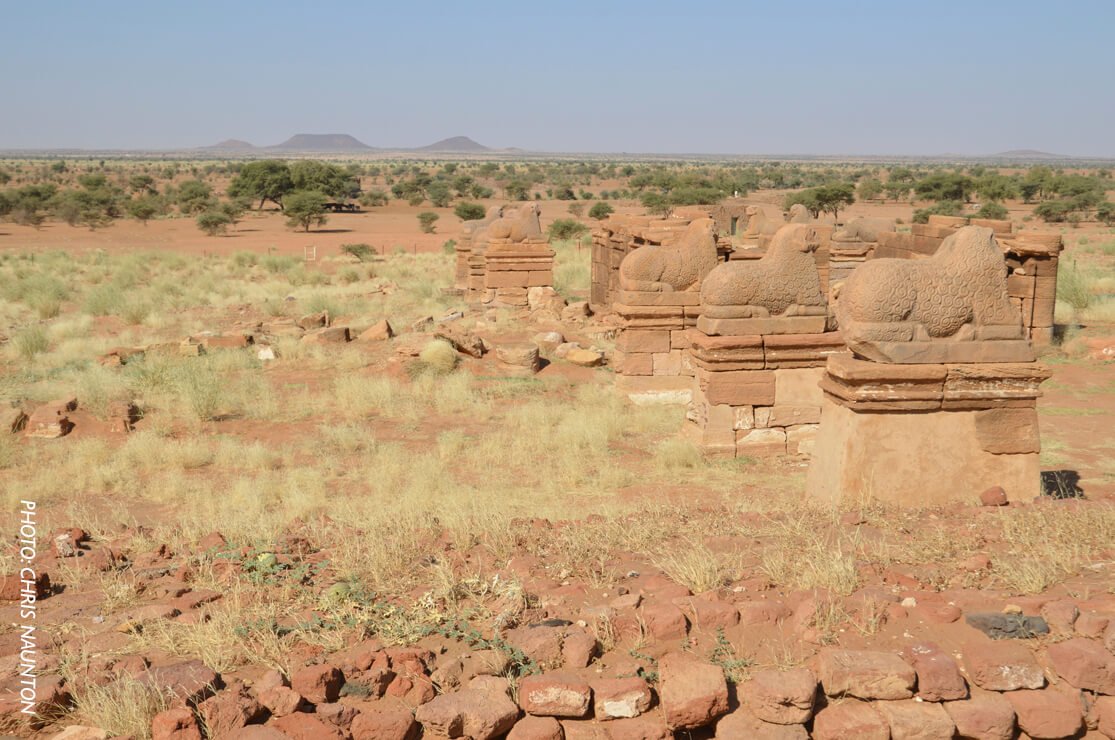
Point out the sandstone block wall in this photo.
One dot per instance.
(756, 396)
(502, 275)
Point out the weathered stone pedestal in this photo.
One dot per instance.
(502, 275)
(650, 349)
(918, 435)
(757, 395)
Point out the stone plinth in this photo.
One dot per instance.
(649, 359)
(502, 275)
(918, 435)
(757, 395)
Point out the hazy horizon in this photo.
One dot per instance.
(869, 79)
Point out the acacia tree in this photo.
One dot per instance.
(265, 180)
(305, 208)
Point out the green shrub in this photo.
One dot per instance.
(944, 208)
(362, 252)
(426, 221)
(993, 210)
(469, 211)
(213, 222)
(566, 228)
(1074, 287)
(600, 211)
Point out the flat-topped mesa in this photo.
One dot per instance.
(472, 238)
(951, 307)
(509, 255)
(780, 293)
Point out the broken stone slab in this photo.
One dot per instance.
(51, 420)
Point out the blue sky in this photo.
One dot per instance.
(806, 77)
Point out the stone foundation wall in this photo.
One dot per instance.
(505, 272)
(649, 359)
(757, 395)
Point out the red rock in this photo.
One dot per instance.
(80, 732)
(189, 681)
(645, 727)
(693, 693)
(1109, 637)
(1090, 624)
(280, 700)
(411, 688)
(665, 621)
(480, 715)
(1060, 615)
(780, 697)
(384, 721)
(212, 541)
(986, 716)
(1047, 714)
(709, 614)
(865, 674)
(620, 698)
(51, 420)
(850, 720)
(915, 720)
(1104, 708)
(763, 612)
(742, 723)
(11, 586)
(554, 695)
(536, 728)
(578, 649)
(1002, 666)
(230, 710)
(939, 677)
(540, 644)
(942, 613)
(498, 684)
(318, 683)
(1084, 664)
(994, 496)
(306, 727)
(337, 714)
(175, 724)
(378, 332)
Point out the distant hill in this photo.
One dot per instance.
(455, 144)
(1028, 154)
(322, 143)
(231, 144)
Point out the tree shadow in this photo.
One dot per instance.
(330, 231)
(1061, 484)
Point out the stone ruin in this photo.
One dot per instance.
(657, 301)
(1031, 259)
(620, 234)
(503, 256)
(758, 351)
(938, 398)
